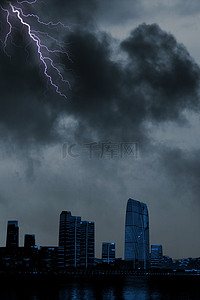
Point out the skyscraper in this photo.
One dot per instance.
(69, 238)
(137, 234)
(12, 239)
(87, 243)
(108, 252)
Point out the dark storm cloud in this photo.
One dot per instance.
(112, 99)
(164, 70)
(28, 110)
(158, 82)
(80, 13)
(87, 12)
(22, 113)
(116, 11)
(3, 2)
(120, 12)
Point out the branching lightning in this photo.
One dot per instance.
(21, 2)
(39, 38)
(41, 22)
(9, 24)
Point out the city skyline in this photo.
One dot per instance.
(136, 243)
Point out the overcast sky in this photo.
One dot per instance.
(134, 74)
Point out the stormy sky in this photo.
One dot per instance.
(135, 78)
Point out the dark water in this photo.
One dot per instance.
(124, 289)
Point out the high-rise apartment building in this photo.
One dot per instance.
(76, 241)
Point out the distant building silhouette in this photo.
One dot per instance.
(156, 251)
(108, 252)
(137, 234)
(12, 239)
(29, 240)
(47, 257)
(156, 256)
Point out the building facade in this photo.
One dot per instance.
(76, 241)
(87, 244)
(69, 238)
(12, 239)
(29, 240)
(137, 234)
(156, 256)
(108, 252)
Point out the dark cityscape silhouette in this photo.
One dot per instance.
(76, 250)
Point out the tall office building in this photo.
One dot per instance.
(137, 234)
(29, 240)
(69, 239)
(87, 243)
(12, 239)
(108, 252)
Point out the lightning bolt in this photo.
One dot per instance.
(9, 24)
(21, 2)
(44, 52)
(41, 22)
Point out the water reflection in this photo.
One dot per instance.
(126, 290)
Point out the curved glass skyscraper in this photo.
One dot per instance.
(137, 234)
